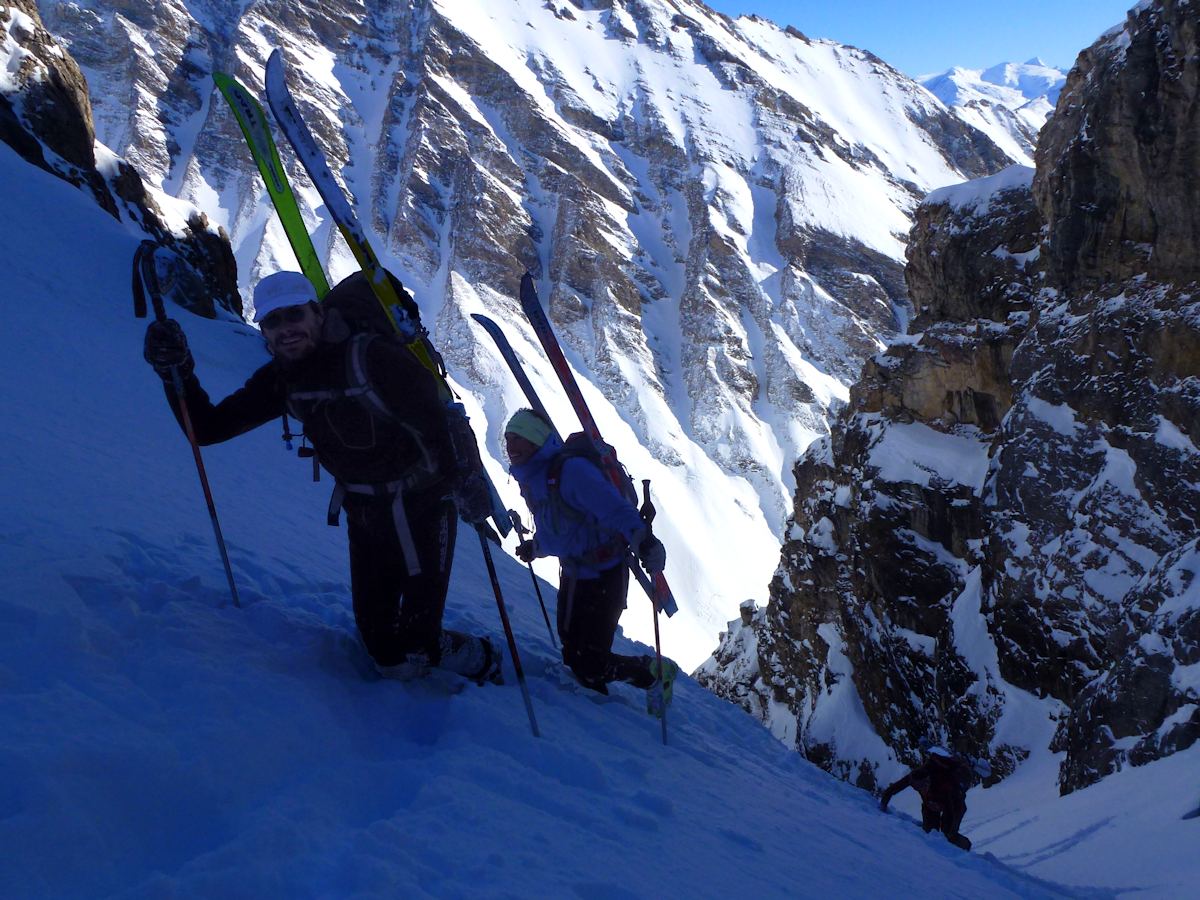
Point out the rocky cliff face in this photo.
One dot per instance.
(46, 117)
(1000, 530)
(715, 210)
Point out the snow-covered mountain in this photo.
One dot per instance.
(155, 741)
(996, 546)
(715, 211)
(1009, 102)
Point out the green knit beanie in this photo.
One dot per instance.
(529, 425)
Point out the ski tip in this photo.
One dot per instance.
(275, 72)
(528, 292)
(488, 324)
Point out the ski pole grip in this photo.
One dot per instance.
(145, 279)
(648, 511)
(139, 295)
(139, 286)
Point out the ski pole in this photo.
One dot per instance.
(648, 512)
(521, 532)
(144, 271)
(482, 530)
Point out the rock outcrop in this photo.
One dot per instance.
(1000, 527)
(46, 117)
(1116, 181)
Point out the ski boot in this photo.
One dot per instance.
(474, 658)
(660, 694)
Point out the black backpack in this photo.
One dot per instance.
(353, 313)
(352, 308)
(580, 446)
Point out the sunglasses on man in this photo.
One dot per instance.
(290, 315)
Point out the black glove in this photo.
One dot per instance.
(526, 552)
(474, 499)
(653, 555)
(166, 347)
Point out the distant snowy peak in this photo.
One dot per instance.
(1034, 79)
(1013, 84)
(1009, 102)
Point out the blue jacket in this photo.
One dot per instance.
(596, 514)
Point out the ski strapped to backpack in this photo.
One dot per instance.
(656, 586)
(257, 131)
(252, 120)
(397, 307)
(593, 448)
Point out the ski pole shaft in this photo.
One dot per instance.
(542, 604)
(508, 632)
(208, 498)
(661, 685)
(521, 532)
(145, 279)
(648, 512)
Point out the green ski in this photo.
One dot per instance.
(341, 210)
(253, 122)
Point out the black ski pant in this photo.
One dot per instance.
(397, 613)
(588, 612)
(946, 816)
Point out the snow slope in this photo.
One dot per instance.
(156, 741)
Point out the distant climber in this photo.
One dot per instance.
(942, 781)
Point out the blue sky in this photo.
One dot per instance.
(925, 36)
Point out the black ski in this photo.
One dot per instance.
(514, 364)
(655, 586)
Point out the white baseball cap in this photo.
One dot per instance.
(279, 290)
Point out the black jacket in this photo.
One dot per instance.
(353, 441)
(938, 780)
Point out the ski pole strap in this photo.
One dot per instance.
(393, 489)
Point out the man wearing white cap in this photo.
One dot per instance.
(378, 425)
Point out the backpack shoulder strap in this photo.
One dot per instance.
(554, 479)
(358, 380)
